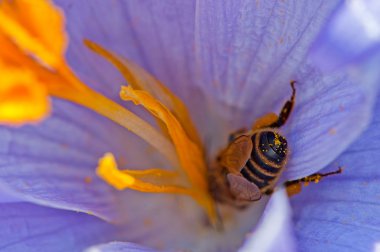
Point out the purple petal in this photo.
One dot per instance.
(119, 247)
(352, 32)
(249, 50)
(274, 233)
(50, 163)
(158, 35)
(318, 130)
(145, 32)
(28, 227)
(7, 195)
(247, 53)
(341, 213)
(242, 47)
(241, 54)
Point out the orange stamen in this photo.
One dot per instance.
(189, 155)
(36, 27)
(122, 179)
(139, 79)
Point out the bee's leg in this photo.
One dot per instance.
(294, 186)
(269, 191)
(236, 134)
(286, 109)
(273, 120)
(265, 121)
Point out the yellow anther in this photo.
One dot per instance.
(108, 171)
(123, 179)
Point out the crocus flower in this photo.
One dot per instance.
(73, 177)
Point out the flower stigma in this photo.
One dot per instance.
(33, 69)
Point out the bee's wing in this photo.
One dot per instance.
(242, 189)
(237, 153)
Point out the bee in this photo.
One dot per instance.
(253, 161)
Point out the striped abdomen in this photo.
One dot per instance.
(268, 157)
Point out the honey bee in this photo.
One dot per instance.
(253, 161)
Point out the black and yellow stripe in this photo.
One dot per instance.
(267, 159)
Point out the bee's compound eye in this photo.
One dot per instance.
(273, 146)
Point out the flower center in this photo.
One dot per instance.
(33, 68)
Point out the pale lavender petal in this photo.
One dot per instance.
(330, 112)
(341, 213)
(241, 47)
(353, 31)
(178, 224)
(250, 62)
(54, 162)
(49, 163)
(274, 233)
(241, 54)
(119, 247)
(249, 51)
(158, 35)
(28, 227)
(7, 195)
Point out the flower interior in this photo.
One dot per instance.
(33, 69)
